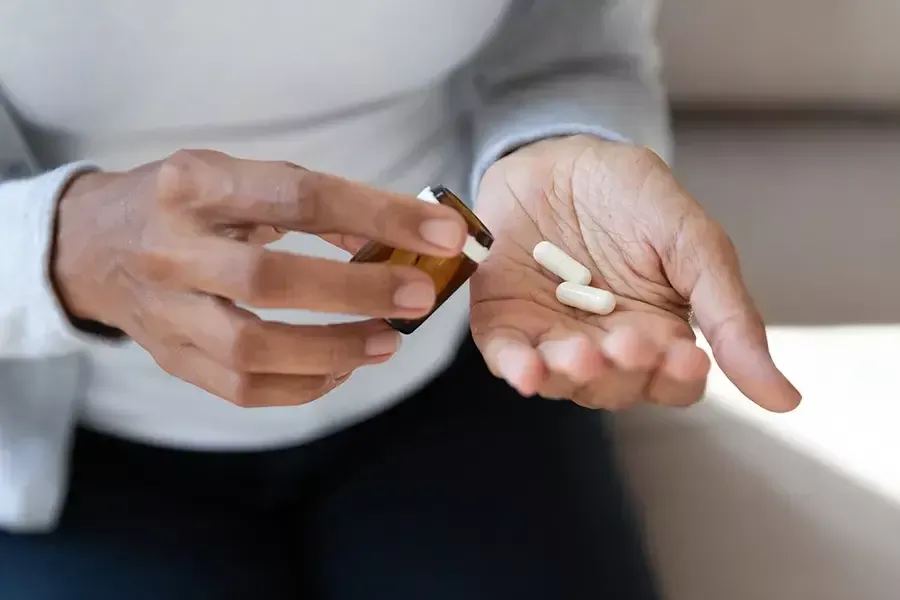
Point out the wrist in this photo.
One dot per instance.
(72, 236)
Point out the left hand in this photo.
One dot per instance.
(618, 210)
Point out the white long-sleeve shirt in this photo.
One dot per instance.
(398, 93)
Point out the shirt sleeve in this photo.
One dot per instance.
(33, 323)
(566, 67)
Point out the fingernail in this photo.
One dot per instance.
(575, 358)
(629, 350)
(507, 365)
(443, 233)
(512, 364)
(386, 342)
(558, 351)
(416, 295)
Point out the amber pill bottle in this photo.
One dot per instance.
(448, 274)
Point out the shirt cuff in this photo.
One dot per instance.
(33, 321)
(616, 110)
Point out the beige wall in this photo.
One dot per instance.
(813, 209)
(747, 51)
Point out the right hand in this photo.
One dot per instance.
(165, 251)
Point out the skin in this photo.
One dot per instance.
(618, 210)
(165, 252)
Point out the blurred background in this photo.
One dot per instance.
(788, 123)
(787, 119)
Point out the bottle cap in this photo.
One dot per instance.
(472, 249)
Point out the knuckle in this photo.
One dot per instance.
(367, 287)
(305, 198)
(323, 385)
(169, 359)
(173, 178)
(304, 390)
(254, 277)
(383, 218)
(245, 391)
(159, 255)
(366, 278)
(154, 263)
(193, 179)
(244, 347)
(342, 352)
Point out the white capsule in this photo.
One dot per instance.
(561, 264)
(586, 298)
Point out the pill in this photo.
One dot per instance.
(586, 298)
(561, 264)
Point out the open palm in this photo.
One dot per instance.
(617, 210)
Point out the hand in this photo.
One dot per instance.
(618, 210)
(164, 252)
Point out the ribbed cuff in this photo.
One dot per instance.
(33, 322)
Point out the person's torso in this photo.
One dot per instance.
(351, 87)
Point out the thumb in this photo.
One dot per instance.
(704, 268)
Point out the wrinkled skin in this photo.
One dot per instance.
(166, 252)
(618, 210)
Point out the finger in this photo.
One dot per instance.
(630, 350)
(632, 359)
(704, 267)
(557, 387)
(240, 340)
(572, 361)
(259, 235)
(222, 189)
(681, 380)
(248, 390)
(510, 355)
(269, 279)
(346, 242)
(576, 357)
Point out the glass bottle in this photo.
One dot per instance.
(448, 274)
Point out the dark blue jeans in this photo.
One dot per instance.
(465, 491)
